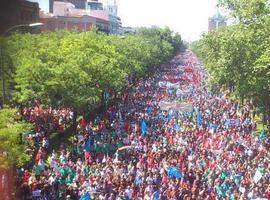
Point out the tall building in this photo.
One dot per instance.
(94, 5)
(216, 21)
(77, 3)
(111, 6)
(51, 6)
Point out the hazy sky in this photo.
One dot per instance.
(187, 17)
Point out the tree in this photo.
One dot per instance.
(75, 69)
(237, 56)
(12, 149)
(71, 71)
(247, 11)
(7, 73)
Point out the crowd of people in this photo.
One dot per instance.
(45, 121)
(139, 151)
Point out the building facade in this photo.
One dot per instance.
(51, 2)
(62, 8)
(67, 16)
(79, 23)
(111, 6)
(102, 20)
(115, 22)
(18, 12)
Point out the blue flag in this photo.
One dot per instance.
(137, 180)
(262, 135)
(213, 127)
(160, 118)
(85, 196)
(149, 109)
(87, 144)
(170, 114)
(177, 127)
(199, 117)
(156, 195)
(174, 172)
(144, 127)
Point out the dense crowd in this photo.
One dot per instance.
(139, 151)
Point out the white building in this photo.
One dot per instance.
(111, 6)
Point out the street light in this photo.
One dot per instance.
(22, 25)
(36, 24)
(1, 54)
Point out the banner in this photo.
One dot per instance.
(232, 122)
(175, 105)
(257, 177)
(184, 92)
(167, 84)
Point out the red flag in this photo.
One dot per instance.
(188, 69)
(194, 78)
(83, 123)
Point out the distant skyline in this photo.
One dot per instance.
(187, 17)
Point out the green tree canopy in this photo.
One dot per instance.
(247, 11)
(12, 149)
(238, 55)
(75, 69)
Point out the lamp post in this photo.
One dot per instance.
(22, 25)
(1, 55)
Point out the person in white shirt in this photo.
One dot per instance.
(129, 192)
(51, 179)
(36, 194)
(85, 184)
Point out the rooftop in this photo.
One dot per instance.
(101, 14)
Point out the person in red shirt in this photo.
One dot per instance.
(87, 156)
(39, 154)
(26, 176)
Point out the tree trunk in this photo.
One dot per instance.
(242, 100)
(268, 114)
(74, 123)
(103, 102)
(231, 86)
